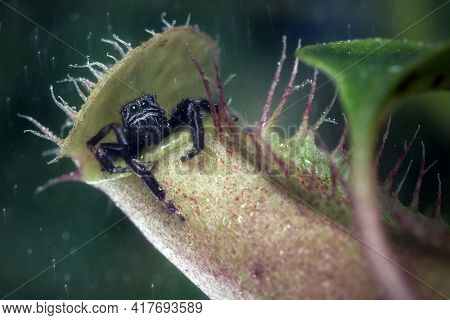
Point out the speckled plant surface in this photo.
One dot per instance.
(267, 217)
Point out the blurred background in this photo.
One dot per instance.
(38, 230)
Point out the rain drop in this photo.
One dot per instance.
(38, 52)
(25, 71)
(89, 41)
(8, 109)
(394, 69)
(54, 270)
(108, 21)
(65, 235)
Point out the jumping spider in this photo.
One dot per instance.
(144, 124)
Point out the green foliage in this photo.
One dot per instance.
(374, 74)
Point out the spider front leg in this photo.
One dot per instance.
(189, 112)
(107, 153)
(153, 185)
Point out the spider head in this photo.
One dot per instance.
(142, 111)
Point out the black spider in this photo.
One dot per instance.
(144, 124)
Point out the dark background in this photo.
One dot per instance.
(36, 230)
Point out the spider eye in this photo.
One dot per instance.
(133, 107)
(144, 103)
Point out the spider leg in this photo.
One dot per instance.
(195, 121)
(104, 132)
(108, 152)
(152, 184)
(148, 165)
(189, 112)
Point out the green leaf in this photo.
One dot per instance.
(373, 76)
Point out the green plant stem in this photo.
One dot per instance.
(366, 208)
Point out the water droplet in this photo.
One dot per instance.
(65, 235)
(25, 71)
(8, 110)
(108, 21)
(394, 69)
(89, 42)
(38, 52)
(54, 270)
